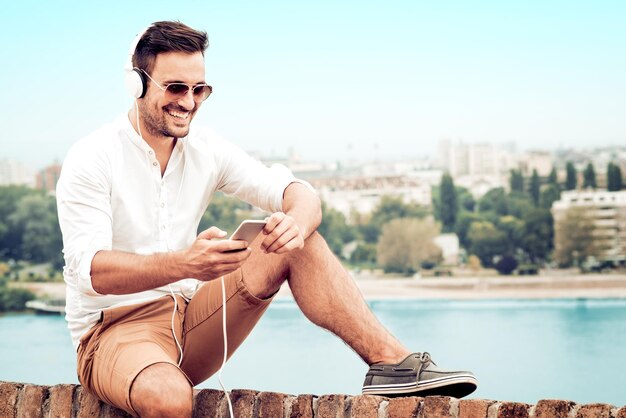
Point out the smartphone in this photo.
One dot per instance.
(247, 231)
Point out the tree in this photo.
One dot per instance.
(549, 195)
(335, 229)
(448, 207)
(570, 176)
(494, 201)
(552, 178)
(486, 241)
(463, 225)
(389, 208)
(537, 235)
(534, 188)
(614, 178)
(10, 233)
(35, 219)
(574, 240)
(406, 243)
(513, 228)
(466, 200)
(589, 177)
(225, 212)
(516, 181)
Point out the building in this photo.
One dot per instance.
(15, 173)
(607, 211)
(541, 161)
(47, 178)
(362, 194)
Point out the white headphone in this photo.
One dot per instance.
(134, 79)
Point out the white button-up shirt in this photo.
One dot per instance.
(111, 196)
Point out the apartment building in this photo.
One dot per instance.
(607, 211)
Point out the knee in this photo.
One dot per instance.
(162, 397)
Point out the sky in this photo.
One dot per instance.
(331, 80)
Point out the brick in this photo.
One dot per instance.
(436, 407)
(59, 404)
(30, 402)
(271, 404)
(474, 408)
(553, 408)
(108, 411)
(408, 407)
(302, 407)
(513, 410)
(8, 398)
(86, 404)
(209, 403)
(594, 410)
(243, 402)
(365, 406)
(331, 406)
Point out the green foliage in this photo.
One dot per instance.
(225, 212)
(552, 178)
(406, 243)
(13, 299)
(534, 188)
(466, 200)
(335, 229)
(549, 195)
(614, 178)
(463, 224)
(387, 209)
(29, 227)
(494, 201)
(516, 181)
(486, 242)
(448, 204)
(571, 179)
(365, 253)
(589, 177)
(537, 236)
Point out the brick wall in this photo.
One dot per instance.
(19, 400)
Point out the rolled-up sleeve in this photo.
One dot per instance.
(252, 181)
(84, 206)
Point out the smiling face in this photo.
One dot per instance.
(162, 116)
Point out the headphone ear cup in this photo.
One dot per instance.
(135, 83)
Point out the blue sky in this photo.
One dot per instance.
(333, 80)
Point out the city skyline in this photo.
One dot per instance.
(332, 81)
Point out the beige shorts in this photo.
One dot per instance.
(130, 338)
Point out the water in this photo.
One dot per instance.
(519, 350)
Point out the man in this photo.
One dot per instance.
(144, 300)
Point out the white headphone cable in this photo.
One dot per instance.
(225, 333)
(219, 373)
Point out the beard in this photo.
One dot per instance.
(156, 122)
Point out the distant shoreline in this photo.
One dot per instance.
(545, 286)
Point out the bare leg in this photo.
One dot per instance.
(327, 296)
(161, 390)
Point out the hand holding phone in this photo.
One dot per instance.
(247, 231)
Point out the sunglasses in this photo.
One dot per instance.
(175, 91)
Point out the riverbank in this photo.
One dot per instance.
(374, 286)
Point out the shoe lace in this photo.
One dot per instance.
(424, 360)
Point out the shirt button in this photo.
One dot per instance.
(150, 152)
(154, 163)
(162, 205)
(162, 227)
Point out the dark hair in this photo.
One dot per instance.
(167, 36)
